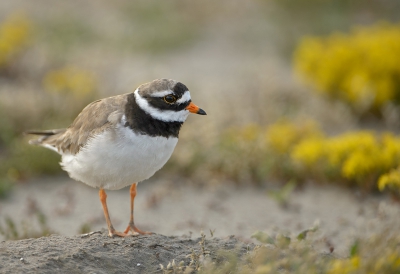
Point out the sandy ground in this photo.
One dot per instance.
(97, 253)
(176, 209)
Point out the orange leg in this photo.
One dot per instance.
(111, 231)
(131, 226)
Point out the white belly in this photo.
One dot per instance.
(113, 161)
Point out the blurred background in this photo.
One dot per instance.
(299, 94)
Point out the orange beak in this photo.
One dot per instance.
(195, 109)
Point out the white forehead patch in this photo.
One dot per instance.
(163, 115)
(161, 93)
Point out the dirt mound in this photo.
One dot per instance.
(97, 253)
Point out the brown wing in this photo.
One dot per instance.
(94, 118)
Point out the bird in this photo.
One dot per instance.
(122, 140)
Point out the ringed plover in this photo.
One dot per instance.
(122, 140)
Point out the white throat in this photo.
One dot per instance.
(163, 115)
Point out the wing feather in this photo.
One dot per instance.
(95, 118)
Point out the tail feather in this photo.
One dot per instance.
(45, 134)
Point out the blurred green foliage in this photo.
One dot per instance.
(145, 26)
(26, 161)
(160, 26)
(283, 195)
(65, 33)
(11, 230)
(281, 253)
(85, 228)
(64, 99)
(250, 153)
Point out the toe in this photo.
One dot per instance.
(136, 231)
(113, 234)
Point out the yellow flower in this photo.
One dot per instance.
(360, 68)
(70, 80)
(290, 149)
(340, 147)
(14, 36)
(346, 266)
(282, 136)
(264, 269)
(390, 180)
(250, 132)
(358, 165)
(309, 151)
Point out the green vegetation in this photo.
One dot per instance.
(65, 33)
(26, 229)
(300, 257)
(282, 253)
(163, 27)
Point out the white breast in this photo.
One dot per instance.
(118, 158)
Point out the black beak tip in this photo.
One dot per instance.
(201, 112)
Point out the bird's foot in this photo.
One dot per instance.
(113, 233)
(136, 231)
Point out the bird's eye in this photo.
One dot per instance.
(169, 99)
